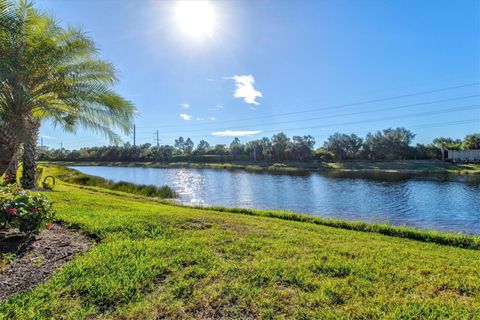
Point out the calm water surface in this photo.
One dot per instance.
(441, 203)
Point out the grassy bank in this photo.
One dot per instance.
(160, 261)
(453, 239)
(73, 176)
(412, 167)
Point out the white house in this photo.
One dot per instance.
(464, 155)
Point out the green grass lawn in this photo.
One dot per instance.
(156, 261)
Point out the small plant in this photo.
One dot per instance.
(5, 259)
(28, 212)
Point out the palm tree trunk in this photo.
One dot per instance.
(11, 172)
(29, 158)
(8, 147)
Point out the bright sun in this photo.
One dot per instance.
(196, 17)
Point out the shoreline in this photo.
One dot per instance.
(411, 167)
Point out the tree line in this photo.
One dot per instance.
(387, 144)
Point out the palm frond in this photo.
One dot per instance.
(54, 73)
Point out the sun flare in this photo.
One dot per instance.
(196, 18)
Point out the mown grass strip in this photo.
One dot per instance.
(449, 239)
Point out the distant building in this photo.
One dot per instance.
(464, 155)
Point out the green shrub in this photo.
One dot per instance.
(26, 211)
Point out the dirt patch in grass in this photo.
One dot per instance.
(195, 224)
(28, 261)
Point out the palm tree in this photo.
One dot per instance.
(51, 73)
(11, 172)
(8, 145)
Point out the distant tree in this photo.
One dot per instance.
(323, 154)
(162, 153)
(254, 149)
(279, 144)
(343, 146)
(145, 152)
(188, 146)
(180, 145)
(266, 148)
(236, 147)
(427, 151)
(471, 141)
(220, 149)
(300, 148)
(202, 148)
(388, 144)
(447, 143)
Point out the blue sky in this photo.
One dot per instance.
(301, 67)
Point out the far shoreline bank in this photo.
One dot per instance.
(411, 167)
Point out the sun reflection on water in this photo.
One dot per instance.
(188, 184)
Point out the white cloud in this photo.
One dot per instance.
(244, 89)
(185, 105)
(200, 119)
(48, 137)
(185, 116)
(211, 118)
(230, 133)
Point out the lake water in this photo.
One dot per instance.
(442, 203)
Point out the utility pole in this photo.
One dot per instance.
(134, 135)
(158, 140)
(61, 145)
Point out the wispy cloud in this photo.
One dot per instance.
(184, 105)
(185, 116)
(48, 137)
(200, 119)
(245, 89)
(211, 118)
(210, 80)
(230, 133)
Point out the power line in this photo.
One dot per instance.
(471, 107)
(342, 105)
(419, 127)
(428, 113)
(440, 124)
(333, 116)
(425, 125)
